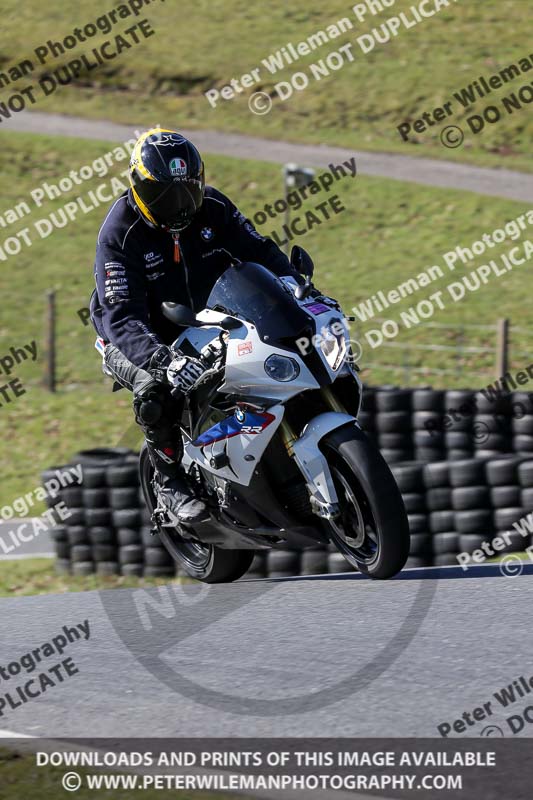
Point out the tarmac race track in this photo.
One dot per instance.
(333, 655)
(426, 171)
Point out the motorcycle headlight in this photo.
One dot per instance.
(333, 344)
(281, 368)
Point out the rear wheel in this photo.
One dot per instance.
(371, 531)
(205, 562)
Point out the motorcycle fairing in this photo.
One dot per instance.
(242, 422)
(243, 447)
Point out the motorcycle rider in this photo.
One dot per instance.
(167, 238)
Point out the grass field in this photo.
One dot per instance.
(388, 232)
(31, 576)
(163, 79)
(19, 775)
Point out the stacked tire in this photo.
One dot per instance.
(70, 533)
(409, 477)
(107, 519)
(429, 425)
(122, 484)
(367, 415)
(492, 425)
(509, 501)
(525, 480)
(393, 424)
(471, 504)
(453, 505)
(428, 435)
(522, 422)
(283, 563)
(441, 518)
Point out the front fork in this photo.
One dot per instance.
(310, 459)
(288, 436)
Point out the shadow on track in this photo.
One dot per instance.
(417, 574)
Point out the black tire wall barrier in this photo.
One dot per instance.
(464, 466)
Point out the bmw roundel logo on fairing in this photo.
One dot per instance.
(240, 416)
(207, 234)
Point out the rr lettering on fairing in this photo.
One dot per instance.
(251, 423)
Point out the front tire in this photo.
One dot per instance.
(372, 530)
(205, 562)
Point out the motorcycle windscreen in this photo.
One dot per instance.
(250, 291)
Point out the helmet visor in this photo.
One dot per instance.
(174, 204)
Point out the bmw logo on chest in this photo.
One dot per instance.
(207, 234)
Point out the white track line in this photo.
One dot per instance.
(11, 735)
(24, 556)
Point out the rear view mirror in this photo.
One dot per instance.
(302, 261)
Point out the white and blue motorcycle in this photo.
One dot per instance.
(271, 438)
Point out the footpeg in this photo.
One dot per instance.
(161, 519)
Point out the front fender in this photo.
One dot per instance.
(312, 462)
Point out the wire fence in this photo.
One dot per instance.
(443, 355)
(463, 354)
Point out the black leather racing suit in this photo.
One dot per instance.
(137, 267)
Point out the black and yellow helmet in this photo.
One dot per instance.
(167, 179)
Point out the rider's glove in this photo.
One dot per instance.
(184, 373)
(160, 362)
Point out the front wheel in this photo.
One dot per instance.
(372, 530)
(205, 562)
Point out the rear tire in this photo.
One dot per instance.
(205, 562)
(371, 505)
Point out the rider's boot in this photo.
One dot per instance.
(174, 494)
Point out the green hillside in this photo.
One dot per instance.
(164, 78)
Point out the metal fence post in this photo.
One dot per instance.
(50, 362)
(294, 177)
(502, 348)
(459, 354)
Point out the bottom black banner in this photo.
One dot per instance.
(491, 768)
